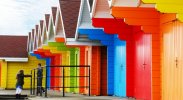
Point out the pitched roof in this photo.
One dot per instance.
(37, 27)
(47, 17)
(70, 12)
(33, 33)
(54, 12)
(13, 46)
(41, 26)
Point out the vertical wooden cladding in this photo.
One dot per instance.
(102, 9)
(130, 76)
(142, 71)
(55, 60)
(119, 67)
(0, 73)
(39, 54)
(98, 70)
(103, 89)
(172, 60)
(168, 6)
(82, 70)
(148, 19)
(125, 32)
(57, 71)
(95, 71)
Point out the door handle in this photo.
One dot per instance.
(176, 61)
(121, 66)
(143, 65)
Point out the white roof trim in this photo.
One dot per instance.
(8, 59)
(51, 25)
(62, 22)
(44, 33)
(85, 43)
(93, 8)
(98, 13)
(79, 17)
(57, 21)
(130, 3)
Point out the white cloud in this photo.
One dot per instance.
(18, 17)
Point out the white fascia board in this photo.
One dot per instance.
(126, 3)
(39, 37)
(72, 41)
(110, 2)
(28, 42)
(62, 22)
(9, 59)
(93, 9)
(56, 20)
(44, 29)
(35, 38)
(79, 18)
(51, 41)
(85, 43)
(58, 29)
(49, 26)
(143, 5)
(102, 13)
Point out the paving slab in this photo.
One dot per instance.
(56, 95)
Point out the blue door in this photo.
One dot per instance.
(120, 68)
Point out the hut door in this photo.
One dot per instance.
(120, 68)
(172, 70)
(143, 66)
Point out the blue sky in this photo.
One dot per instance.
(18, 17)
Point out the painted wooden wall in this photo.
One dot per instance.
(95, 71)
(111, 41)
(48, 63)
(59, 46)
(148, 19)
(82, 70)
(3, 74)
(168, 6)
(103, 89)
(14, 67)
(125, 32)
(105, 39)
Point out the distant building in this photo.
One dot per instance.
(13, 57)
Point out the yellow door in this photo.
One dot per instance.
(168, 62)
(178, 27)
(172, 71)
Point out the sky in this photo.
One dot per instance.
(18, 17)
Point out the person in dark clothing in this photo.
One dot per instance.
(20, 82)
(39, 79)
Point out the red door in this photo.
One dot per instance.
(147, 66)
(142, 66)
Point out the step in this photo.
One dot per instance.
(11, 96)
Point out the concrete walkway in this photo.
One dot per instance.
(54, 95)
